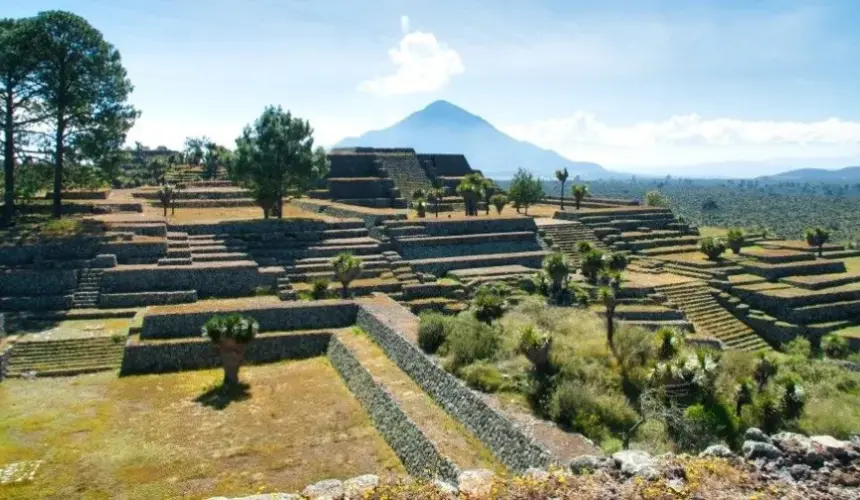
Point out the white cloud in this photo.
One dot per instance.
(688, 139)
(423, 65)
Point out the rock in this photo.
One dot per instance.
(358, 486)
(537, 474)
(843, 478)
(758, 449)
(829, 446)
(792, 442)
(589, 463)
(446, 489)
(476, 483)
(718, 451)
(756, 434)
(799, 471)
(636, 463)
(265, 496)
(330, 489)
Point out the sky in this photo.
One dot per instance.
(639, 85)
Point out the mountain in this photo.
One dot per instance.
(442, 127)
(841, 175)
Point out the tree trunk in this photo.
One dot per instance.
(164, 205)
(232, 354)
(527, 209)
(562, 195)
(9, 163)
(577, 201)
(610, 329)
(58, 166)
(821, 250)
(344, 291)
(279, 207)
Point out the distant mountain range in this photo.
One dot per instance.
(842, 175)
(442, 127)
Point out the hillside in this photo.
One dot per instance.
(842, 175)
(442, 127)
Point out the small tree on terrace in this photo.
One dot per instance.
(435, 196)
(525, 189)
(561, 176)
(489, 188)
(499, 201)
(346, 269)
(557, 267)
(276, 155)
(712, 247)
(579, 192)
(735, 240)
(655, 199)
(231, 334)
(470, 188)
(817, 237)
(166, 195)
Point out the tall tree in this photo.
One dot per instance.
(276, 155)
(194, 149)
(579, 192)
(17, 97)
(82, 86)
(525, 189)
(561, 176)
(817, 237)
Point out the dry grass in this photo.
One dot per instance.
(460, 215)
(189, 215)
(852, 264)
(75, 328)
(147, 437)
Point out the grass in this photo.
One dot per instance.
(852, 264)
(75, 328)
(32, 228)
(201, 215)
(149, 437)
(713, 231)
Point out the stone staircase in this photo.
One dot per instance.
(215, 248)
(406, 172)
(710, 318)
(566, 236)
(178, 250)
(86, 295)
(285, 287)
(51, 358)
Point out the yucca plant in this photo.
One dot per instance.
(231, 333)
(346, 269)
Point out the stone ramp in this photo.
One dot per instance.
(710, 318)
(451, 438)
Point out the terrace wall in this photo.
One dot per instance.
(416, 451)
(278, 317)
(433, 227)
(60, 249)
(342, 211)
(138, 252)
(511, 445)
(200, 353)
(448, 165)
(346, 165)
(28, 282)
(359, 188)
(114, 300)
(294, 226)
(209, 281)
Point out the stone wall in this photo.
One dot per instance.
(36, 303)
(136, 251)
(29, 282)
(58, 249)
(111, 300)
(478, 225)
(200, 353)
(5, 354)
(344, 212)
(416, 451)
(239, 228)
(511, 445)
(352, 165)
(286, 316)
(449, 165)
(216, 280)
(359, 187)
(419, 252)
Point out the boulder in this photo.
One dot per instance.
(636, 463)
(476, 483)
(717, 451)
(756, 434)
(536, 474)
(330, 489)
(447, 490)
(590, 463)
(758, 449)
(799, 448)
(356, 487)
(799, 471)
(829, 446)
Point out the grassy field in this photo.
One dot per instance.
(164, 436)
(853, 264)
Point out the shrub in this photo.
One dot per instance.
(768, 410)
(655, 199)
(835, 346)
(319, 289)
(432, 331)
(712, 247)
(584, 247)
(469, 340)
(591, 263)
(669, 342)
(263, 290)
(593, 412)
(482, 376)
(499, 201)
(706, 425)
(765, 369)
(793, 399)
(240, 328)
(799, 347)
(488, 304)
(735, 240)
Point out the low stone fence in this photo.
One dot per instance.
(416, 451)
(36, 303)
(264, 226)
(417, 251)
(208, 279)
(773, 272)
(114, 300)
(141, 357)
(31, 282)
(136, 251)
(342, 211)
(511, 445)
(186, 321)
(477, 225)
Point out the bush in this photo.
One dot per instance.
(835, 346)
(499, 201)
(591, 263)
(669, 342)
(482, 376)
(240, 328)
(432, 331)
(713, 248)
(706, 425)
(735, 239)
(488, 304)
(655, 199)
(469, 340)
(319, 289)
(595, 413)
(799, 347)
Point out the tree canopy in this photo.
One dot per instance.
(525, 189)
(276, 156)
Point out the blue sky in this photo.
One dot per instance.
(641, 85)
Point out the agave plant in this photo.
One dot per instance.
(231, 334)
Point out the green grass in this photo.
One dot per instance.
(149, 437)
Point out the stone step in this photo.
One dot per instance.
(220, 257)
(175, 262)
